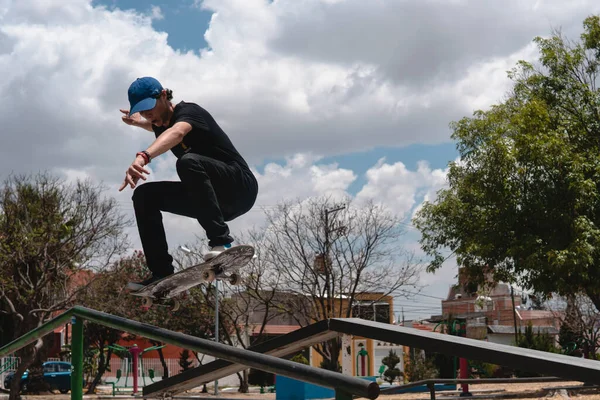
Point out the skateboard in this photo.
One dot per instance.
(225, 266)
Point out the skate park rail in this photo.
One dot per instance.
(346, 387)
(265, 355)
(554, 366)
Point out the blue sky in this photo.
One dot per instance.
(184, 22)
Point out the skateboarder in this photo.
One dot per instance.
(216, 183)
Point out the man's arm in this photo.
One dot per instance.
(168, 139)
(142, 123)
(136, 120)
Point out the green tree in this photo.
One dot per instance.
(541, 341)
(418, 366)
(580, 327)
(391, 373)
(105, 293)
(52, 235)
(524, 198)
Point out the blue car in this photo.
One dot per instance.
(56, 373)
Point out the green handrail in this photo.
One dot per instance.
(344, 386)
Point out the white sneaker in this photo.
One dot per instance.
(215, 251)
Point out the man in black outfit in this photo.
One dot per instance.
(216, 183)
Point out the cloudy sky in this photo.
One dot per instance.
(320, 96)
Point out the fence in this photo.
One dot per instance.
(144, 365)
(7, 365)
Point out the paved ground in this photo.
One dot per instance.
(489, 391)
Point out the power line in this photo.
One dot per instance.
(420, 294)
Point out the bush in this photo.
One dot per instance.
(539, 341)
(391, 373)
(417, 366)
(260, 378)
(299, 358)
(184, 361)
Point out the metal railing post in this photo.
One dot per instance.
(431, 386)
(77, 359)
(342, 395)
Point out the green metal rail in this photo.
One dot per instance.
(345, 386)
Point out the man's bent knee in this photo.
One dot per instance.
(187, 163)
(142, 193)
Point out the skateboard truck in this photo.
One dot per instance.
(216, 273)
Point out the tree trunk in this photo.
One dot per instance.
(595, 298)
(331, 354)
(102, 367)
(15, 384)
(27, 355)
(162, 361)
(243, 377)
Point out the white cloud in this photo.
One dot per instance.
(285, 79)
(156, 13)
(400, 189)
(281, 77)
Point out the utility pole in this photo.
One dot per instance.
(326, 255)
(334, 343)
(216, 326)
(512, 295)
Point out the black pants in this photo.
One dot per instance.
(210, 191)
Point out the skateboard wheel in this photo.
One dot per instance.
(147, 302)
(175, 306)
(235, 279)
(208, 276)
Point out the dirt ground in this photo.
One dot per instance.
(546, 390)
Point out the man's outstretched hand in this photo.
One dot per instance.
(135, 171)
(133, 120)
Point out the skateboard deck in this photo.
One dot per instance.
(225, 266)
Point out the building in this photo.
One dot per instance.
(492, 312)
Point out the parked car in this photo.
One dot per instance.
(56, 373)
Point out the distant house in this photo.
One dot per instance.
(491, 313)
(366, 354)
(504, 334)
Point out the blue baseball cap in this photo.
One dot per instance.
(143, 93)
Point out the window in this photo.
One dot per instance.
(48, 368)
(64, 367)
(379, 312)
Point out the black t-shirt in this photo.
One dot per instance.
(206, 137)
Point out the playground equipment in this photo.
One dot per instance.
(133, 355)
(460, 330)
(363, 364)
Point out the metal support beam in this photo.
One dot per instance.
(558, 365)
(445, 344)
(342, 395)
(431, 386)
(77, 359)
(279, 347)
